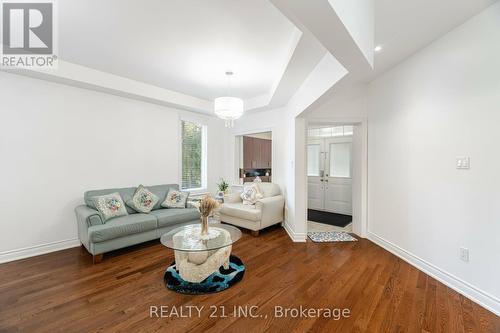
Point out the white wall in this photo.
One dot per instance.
(347, 102)
(289, 148)
(282, 149)
(441, 103)
(358, 17)
(57, 141)
(349, 106)
(261, 122)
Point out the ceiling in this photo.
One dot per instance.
(184, 47)
(402, 27)
(180, 45)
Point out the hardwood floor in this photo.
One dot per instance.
(65, 292)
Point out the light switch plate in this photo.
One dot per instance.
(464, 254)
(463, 162)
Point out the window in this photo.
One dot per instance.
(335, 131)
(348, 130)
(193, 149)
(313, 157)
(340, 160)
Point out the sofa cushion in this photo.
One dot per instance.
(175, 199)
(143, 200)
(161, 192)
(175, 215)
(238, 209)
(122, 226)
(110, 206)
(126, 194)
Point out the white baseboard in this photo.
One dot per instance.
(475, 294)
(295, 236)
(37, 250)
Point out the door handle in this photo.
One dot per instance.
(321, 180)
(326, 180)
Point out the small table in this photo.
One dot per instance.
(203, 263)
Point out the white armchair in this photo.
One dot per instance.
(266, 212)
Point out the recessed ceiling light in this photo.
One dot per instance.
(378, 48)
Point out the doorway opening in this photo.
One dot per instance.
(330, 177)
(254, 157)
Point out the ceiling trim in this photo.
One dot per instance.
(85, 77)
(303, 55)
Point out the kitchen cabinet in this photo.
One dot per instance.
(257, 153)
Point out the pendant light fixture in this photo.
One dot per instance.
(228, 108)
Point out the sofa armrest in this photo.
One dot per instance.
(233, 197)
(272, 209)
(87, 216)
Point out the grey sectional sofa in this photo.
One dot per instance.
(99, 237)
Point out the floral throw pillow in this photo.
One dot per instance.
(143, 200)
(251, 194)
(110, 205)
(175, 199)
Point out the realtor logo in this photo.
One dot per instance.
(28, 34)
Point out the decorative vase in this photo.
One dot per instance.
(204, 225)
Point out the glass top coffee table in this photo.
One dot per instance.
(188, 238)
(203, 263)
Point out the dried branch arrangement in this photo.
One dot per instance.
(207, 205)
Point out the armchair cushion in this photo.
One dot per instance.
(267, 189)
(251, 194)
(239, 210)
(232, 197)
(276, 200)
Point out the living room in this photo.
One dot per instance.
(160, 159)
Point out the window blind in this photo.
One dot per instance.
(192, 151)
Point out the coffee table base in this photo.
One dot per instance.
(218, 281)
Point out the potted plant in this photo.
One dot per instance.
(223, 187)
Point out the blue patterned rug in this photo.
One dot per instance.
(331, 236)
(218, 281)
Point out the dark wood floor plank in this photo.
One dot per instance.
(65, 292)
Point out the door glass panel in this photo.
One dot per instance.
(338, 131)
(348, 130)
(313, 156)
(340, 160)
(326, 131)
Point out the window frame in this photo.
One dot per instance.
(204, 155)
(330, 166)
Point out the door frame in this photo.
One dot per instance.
(360, 169)
(320, 142)
(236, 149)
(331, 180)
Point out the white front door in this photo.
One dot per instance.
(338, 181)
(315, 172)
(329, 175)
